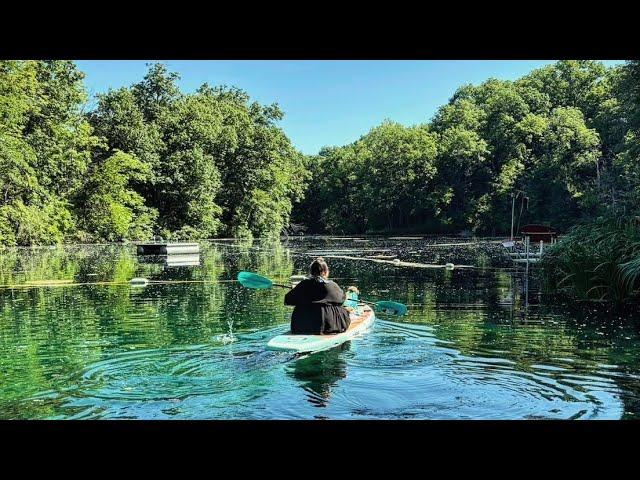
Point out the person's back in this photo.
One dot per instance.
(318, 304)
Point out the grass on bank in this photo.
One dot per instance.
(599, 261)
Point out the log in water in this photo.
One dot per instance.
(397, 263)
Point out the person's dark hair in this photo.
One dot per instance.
(319, 267)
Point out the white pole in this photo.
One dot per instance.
(526, 278)
(513, 205)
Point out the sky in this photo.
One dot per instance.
(326, 102)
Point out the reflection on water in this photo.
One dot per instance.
(320, 372)
(77, 341)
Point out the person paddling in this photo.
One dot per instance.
(318, 303)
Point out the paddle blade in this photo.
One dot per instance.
(253, 280)
(392, 308)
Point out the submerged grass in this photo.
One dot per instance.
(598, 261)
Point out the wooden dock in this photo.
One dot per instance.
(528, 256)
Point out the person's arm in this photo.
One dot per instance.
(334, 294)
(296, 295)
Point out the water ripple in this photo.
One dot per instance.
(469, 348)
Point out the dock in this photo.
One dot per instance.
(165, 248)
(528, 256)
(180, 260)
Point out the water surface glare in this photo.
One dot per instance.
(191, 344)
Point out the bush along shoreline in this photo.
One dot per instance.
(596, 261)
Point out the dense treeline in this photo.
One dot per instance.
(147, 160)
(151, 160)
(599, 259)
(563, 139)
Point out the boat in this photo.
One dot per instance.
(361, 320)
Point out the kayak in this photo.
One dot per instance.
(360, 322)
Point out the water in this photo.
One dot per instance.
(192, 345)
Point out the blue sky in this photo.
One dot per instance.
(326, 102)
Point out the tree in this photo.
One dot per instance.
(45, 148)
(194, 144)
(400, 174)
(152, 159)
(383, 181)
(464, 170)
(111, 209)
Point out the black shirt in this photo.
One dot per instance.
(318, 307)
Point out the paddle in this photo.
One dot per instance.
(253, 280)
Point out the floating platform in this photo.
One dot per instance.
(185, 260)
(167, 248)
(524, 260)
(524, 255)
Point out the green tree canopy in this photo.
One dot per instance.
(152, 159)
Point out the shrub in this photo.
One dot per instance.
(599, 260)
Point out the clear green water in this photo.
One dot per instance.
(471, 347)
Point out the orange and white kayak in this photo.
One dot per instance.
(360, 323)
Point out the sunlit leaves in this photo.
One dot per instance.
(112, 210)
(45, 149)
(219, 164)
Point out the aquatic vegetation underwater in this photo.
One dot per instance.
(191, 344)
